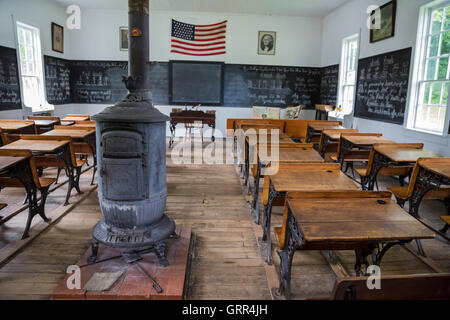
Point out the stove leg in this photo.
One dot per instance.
(94, 247)
(160, 248)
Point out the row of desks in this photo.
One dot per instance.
(14, 166)
(20, 127)
(323, 208)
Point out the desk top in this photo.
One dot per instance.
(303, 178)
(258, 126)
(440, 166)
(405, 154)
(7, 162)
(359, 219)
(45, 146)
(73, 133)
(361, 141)
(296, 155)
(84, 125)
(76, 118)
(45, 123)
(319, 127)
(6, 125)
(67, 123)
(335, 134)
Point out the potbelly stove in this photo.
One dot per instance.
(131, 147)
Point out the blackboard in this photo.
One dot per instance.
(9, 80)
(272, 86)
(159, 82)
(329, 85)
(98, 82)
(382, 86)
(196, 83)
(57, 80)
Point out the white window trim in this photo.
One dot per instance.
(342, 74)
(419, 69)
(45, 105)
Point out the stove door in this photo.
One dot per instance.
(123, 179)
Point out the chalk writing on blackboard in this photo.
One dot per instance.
(382, 86)
(9, 80)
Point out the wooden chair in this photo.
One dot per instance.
(354, 155)
(400, 171)
(57, 162)
(322, 111)
(404, 287)
(404, 193)
(36, 183)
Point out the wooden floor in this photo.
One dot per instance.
(227, 261)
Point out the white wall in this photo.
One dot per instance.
(350, 19)
(298, 44)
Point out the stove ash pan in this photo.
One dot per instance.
(132, 162)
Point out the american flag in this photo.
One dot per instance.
(198, 40)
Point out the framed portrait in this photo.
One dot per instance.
(267, 42)
(123, 39)
(57, 38)
(387, 23)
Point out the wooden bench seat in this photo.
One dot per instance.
(404, 193)
(404, 287)
(446, 219)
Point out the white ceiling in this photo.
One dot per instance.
(303, 8)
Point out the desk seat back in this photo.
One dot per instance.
(407, 287)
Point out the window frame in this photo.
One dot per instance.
(419, 71)
(343, 73)
(39, 64)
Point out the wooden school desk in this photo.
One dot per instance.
(17, 126)
(395, 155)
(301, 178)
(315, 128)
(295, 153)
(369, 223)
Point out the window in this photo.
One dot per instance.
(347, 82)
(29, 45)
(428, 111)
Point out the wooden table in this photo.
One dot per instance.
(191, 116)
(286, 154)
(301, 178)
(16, 127)
(317, 128)
(43, 148)
(349, 142)
(332, 135)
(76, 118)
(80, 134)
(368, 224)
(252, 142)
(391, 156)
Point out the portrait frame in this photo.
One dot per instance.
(270, 49)
(388, 13)
(123, 38)
(57, 38)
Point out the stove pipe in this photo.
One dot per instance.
(131, 157)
